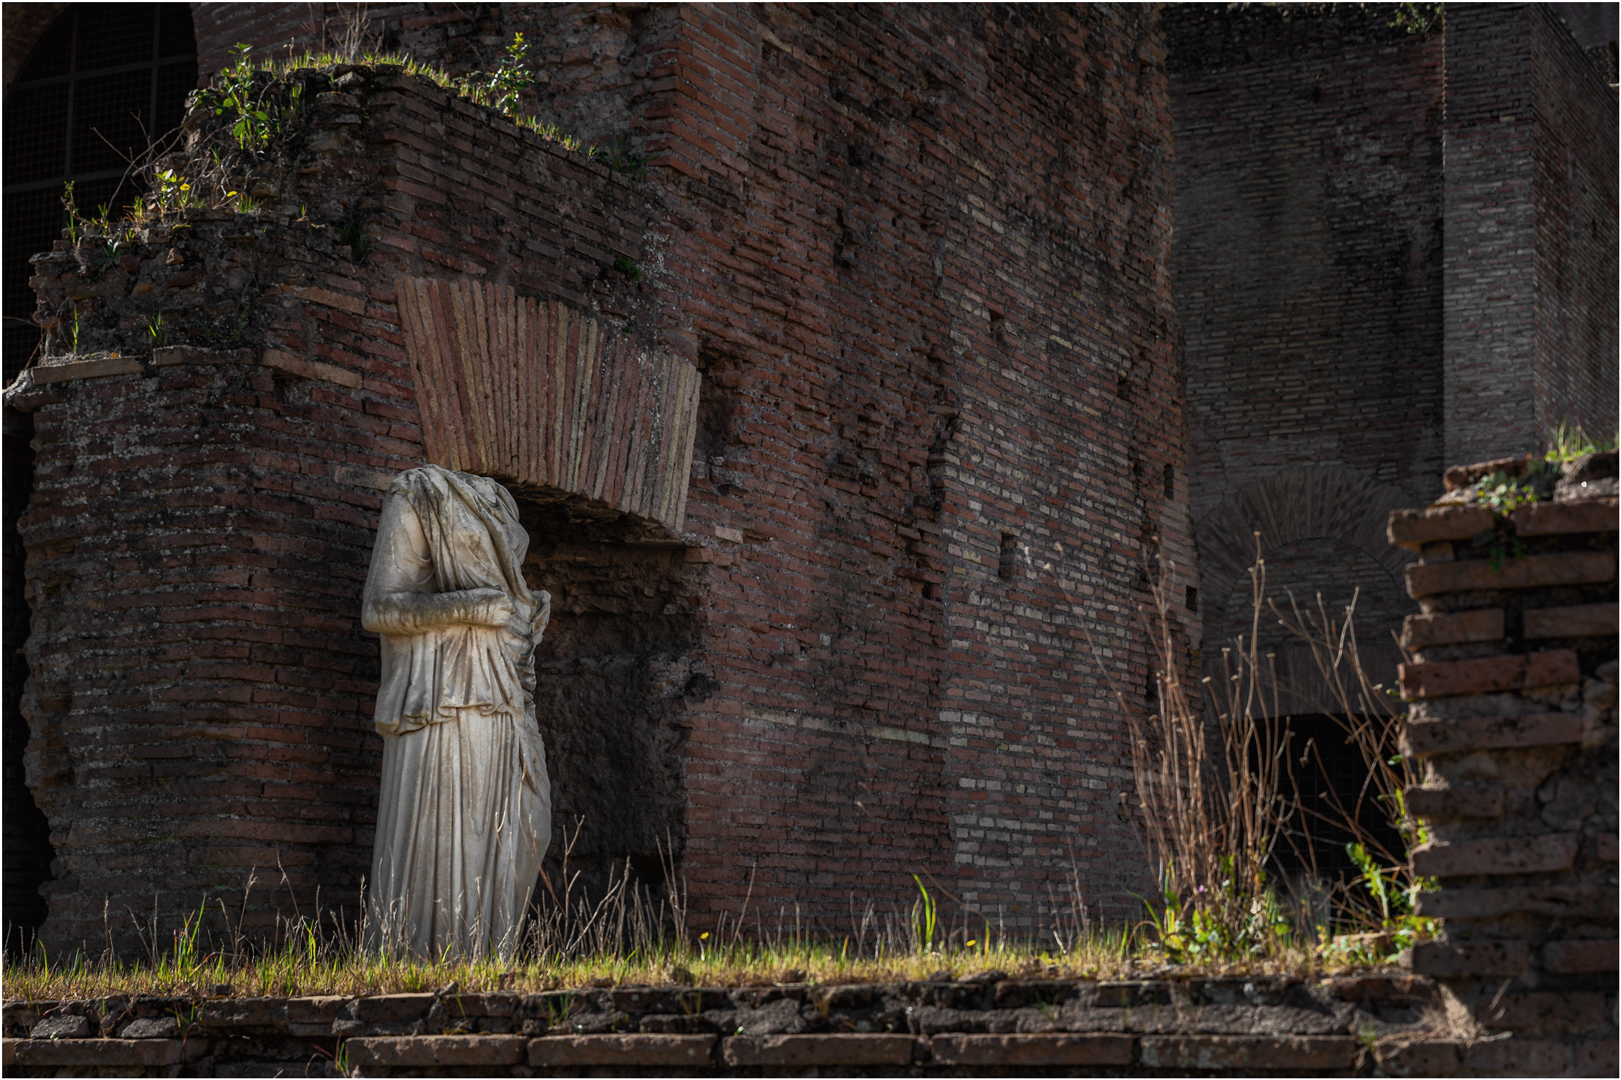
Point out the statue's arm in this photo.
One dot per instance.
(399, 600)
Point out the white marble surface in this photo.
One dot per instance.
(464, 813)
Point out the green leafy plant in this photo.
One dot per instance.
(1393, 893)
(252, 126)
(1419, 18)
(158, 331)
(503, 88)
(632, 272)
(1204, 931)
(169, 190)
(1503, 495)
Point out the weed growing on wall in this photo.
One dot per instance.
(1568, 441)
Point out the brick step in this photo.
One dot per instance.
(1488, 674)
(1427, 738)
(1530, 572)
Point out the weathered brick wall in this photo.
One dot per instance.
(941, 435)
(1574, 197)
(1530, 232)
(1490, 233)
(1307, 273)
(1512, 691)
(941, 332)
(203, 515)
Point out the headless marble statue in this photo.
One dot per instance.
(464, 815)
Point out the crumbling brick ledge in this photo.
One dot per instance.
(1384, 1023)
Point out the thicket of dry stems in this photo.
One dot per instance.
(1218, 776)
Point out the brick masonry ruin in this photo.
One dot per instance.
(938, 437)
(947, 420)
(1512, 686)
(938, 443)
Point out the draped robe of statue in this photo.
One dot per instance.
(464, 814)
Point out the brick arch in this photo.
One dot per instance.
(1298, 504)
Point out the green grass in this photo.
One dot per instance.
(302, 970)
(1568, 441)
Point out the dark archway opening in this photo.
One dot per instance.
(616, 673)
(1335, 792)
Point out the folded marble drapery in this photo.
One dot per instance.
(464, 812)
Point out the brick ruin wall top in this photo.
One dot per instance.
(1512, 690)
(936, 443)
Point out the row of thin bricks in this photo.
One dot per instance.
(517, 387)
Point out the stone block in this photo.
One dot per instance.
(1460, 959)
(1544, 1012)
(472, 1006)
(1577, 620)
(1530, 572)
(1597, 1057)
(242, 1012)
(106, 1053)
(1129, 995)
(1506, 855)
(1431, 1057)
(310, 369)
(1425, 738)
(1383, 988)
(1455, 802)
(62, 1026)
(640, 1001)
(1563, 901)
(390, 1008)
(1515, 1057)
(1422, 631)
(1488, 674)
(88, 368)
(809, 1051)
(431, 1051)
(1580, 957)
(573, 1051)
(1019, 993)
(19, 1017)
(1248, 1053)
(1579, 516)
(1037, 1050)
(1458, 477)
(1412, 529)
(151, 1027)
(314, 1010)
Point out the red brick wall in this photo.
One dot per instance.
(933, 332)
(941, 325)
(1490, 233)
(1574, 196)
(1307, 272)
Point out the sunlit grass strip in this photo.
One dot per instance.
(293, 971)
